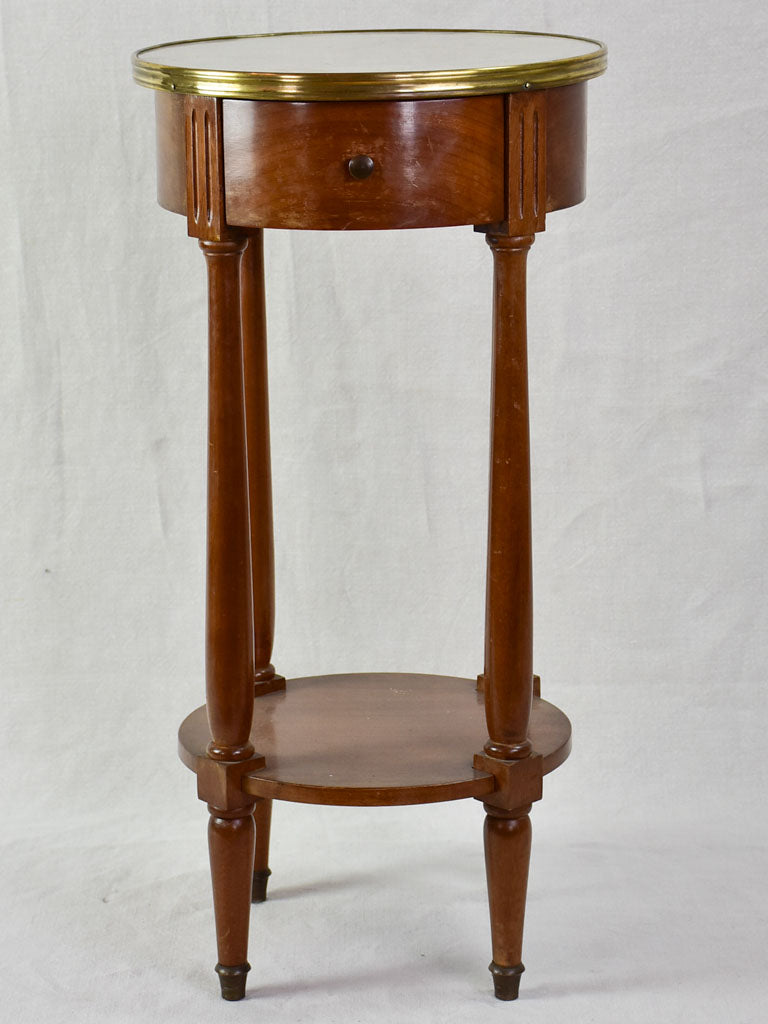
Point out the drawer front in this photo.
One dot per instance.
(356, 165)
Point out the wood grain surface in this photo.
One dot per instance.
(565, 117)
(507, 840)
(566, 146)
(228, 610)
(508, 671)
(233, 167)
(374, 739)
(435, 163)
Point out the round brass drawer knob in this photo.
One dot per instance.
(361, 167)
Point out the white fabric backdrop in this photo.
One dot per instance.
(648, 379)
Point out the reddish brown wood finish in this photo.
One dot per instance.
(376, 739)
(205, 169)
(231, 846)
(233, 167)
(262, 819)
(254, 329)
(436, 162)
(507, 855)
(566, 145)
(170, 131)
(508, 672)
(526, 163)
(229, 620)
(565, 159)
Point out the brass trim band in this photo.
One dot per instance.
(257, 85)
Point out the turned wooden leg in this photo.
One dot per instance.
(229, 621)
(507, 853)
(230, 844)
(507, 677)
(507, 680)
(254, 327)
(229, 626)
(229, 616)
(508, 673)
(262, 817)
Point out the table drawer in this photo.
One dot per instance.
(430, 163)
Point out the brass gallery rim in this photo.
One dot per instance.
(332, 85)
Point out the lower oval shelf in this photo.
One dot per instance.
(374, 739)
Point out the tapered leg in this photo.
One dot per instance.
(230, 845)
(507, 680)
(262, 817)
(508, 672)
(229, 617)
(507, 855)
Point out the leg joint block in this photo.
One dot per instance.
(220, 782)
(518, 782)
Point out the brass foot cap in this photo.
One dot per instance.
(232, 980)
(259, 886)
(506, 980)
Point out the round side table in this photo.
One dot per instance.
(364, 130)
